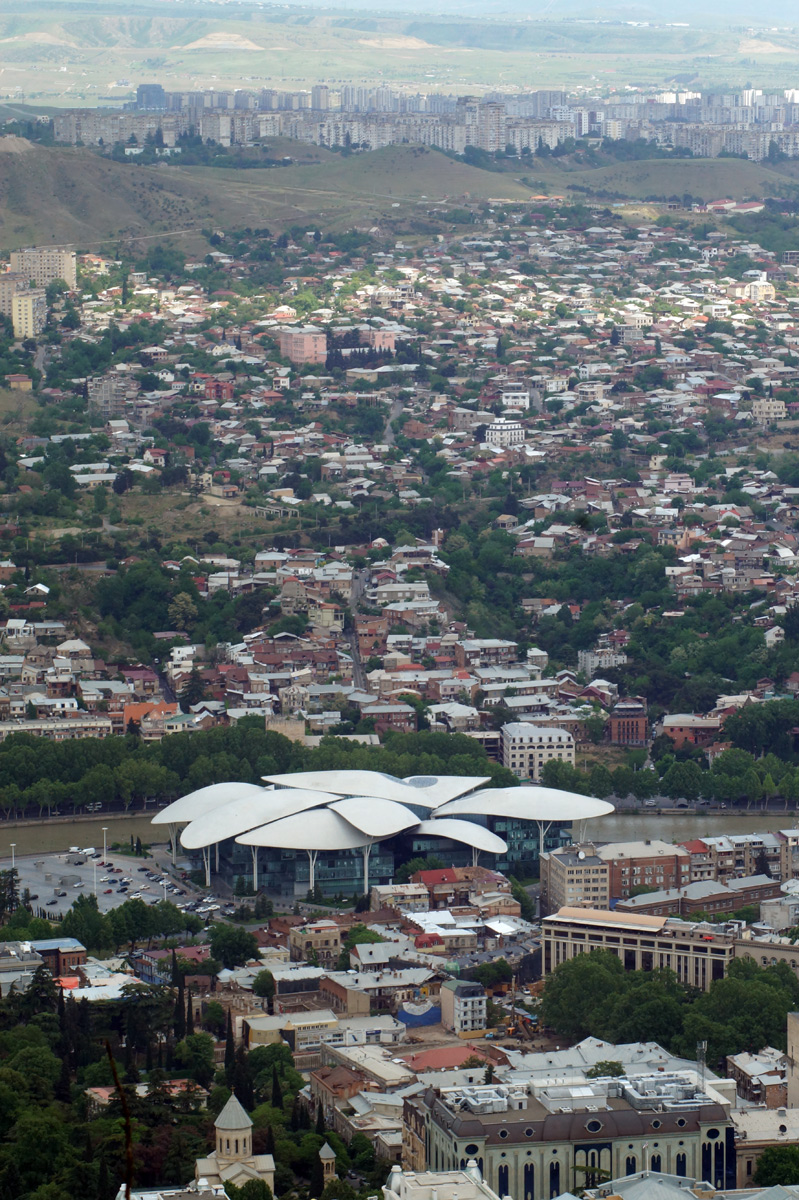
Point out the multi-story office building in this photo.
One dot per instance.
(698, 954)
(43, 265)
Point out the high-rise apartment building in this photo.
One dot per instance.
(44, 264)
(29, 312)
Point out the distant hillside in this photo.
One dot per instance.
(75, 195)
(708, 179)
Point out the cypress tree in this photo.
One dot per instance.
(62, 1087)
(320, 1120)
(189, 1014)
(230, 1047)
(317, 1178)
(179, 1020)
(277, 1094)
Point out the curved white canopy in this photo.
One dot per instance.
(529, 804)
(468, 832)
(435, 790)
(348, 783)
(326, 831)
(375, 816)
(249, 812)
(204, 800)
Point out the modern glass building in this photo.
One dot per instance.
(346, 830)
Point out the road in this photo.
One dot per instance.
(388, 432)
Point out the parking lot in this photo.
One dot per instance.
(54, 880)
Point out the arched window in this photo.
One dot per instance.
(502, 1179)
(630, 1167)
(554, 1179)
(655, 1163)
(529, 1181)
(680, 1167)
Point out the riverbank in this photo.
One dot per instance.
(56, 834)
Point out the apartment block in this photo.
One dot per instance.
(43, 265)
(572, 876)
(464, 1007)
(29, 312)
(526, 748)
(302, 346)
(11, 282)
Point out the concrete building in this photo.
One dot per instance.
(11, 282)
(319, 942)
(464, 1007)
(29, 312)
(573, 875)
(429, 1185)
(527, 748)
(697, 953)
(628, 724)
(44, 264)
(704, 896)
(303, 346)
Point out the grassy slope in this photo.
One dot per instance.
(72, 195)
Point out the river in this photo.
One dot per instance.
(680, 827)
(59, 833)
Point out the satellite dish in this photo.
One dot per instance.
(581, 854)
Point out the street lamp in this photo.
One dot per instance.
(13, 860)
(105, 842)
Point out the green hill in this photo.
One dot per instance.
(66, 194)
(708, 178)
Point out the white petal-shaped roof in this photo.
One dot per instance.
(468, 832)
(204, 800)
(249, 812)
(348, 783)
(435, 790)
(528, 804)
(375, 816)
(327, 830)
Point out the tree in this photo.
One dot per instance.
(233, 947)
(230, 1045)
(606, 1068)
(277, 1093)
(192, 692)
(263, 985)
(777, 1166)
(183, 611)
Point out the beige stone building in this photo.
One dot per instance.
(319, 941)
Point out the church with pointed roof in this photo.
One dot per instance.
(233, 1160)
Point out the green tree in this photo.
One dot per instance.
(233, 947)
(777, 1166)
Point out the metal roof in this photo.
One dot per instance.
(375, 816)
(468, 832)
(204, 800)
(529, 804)
(435, 790)
(249, 812)
(327, 831)
(349, 783)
